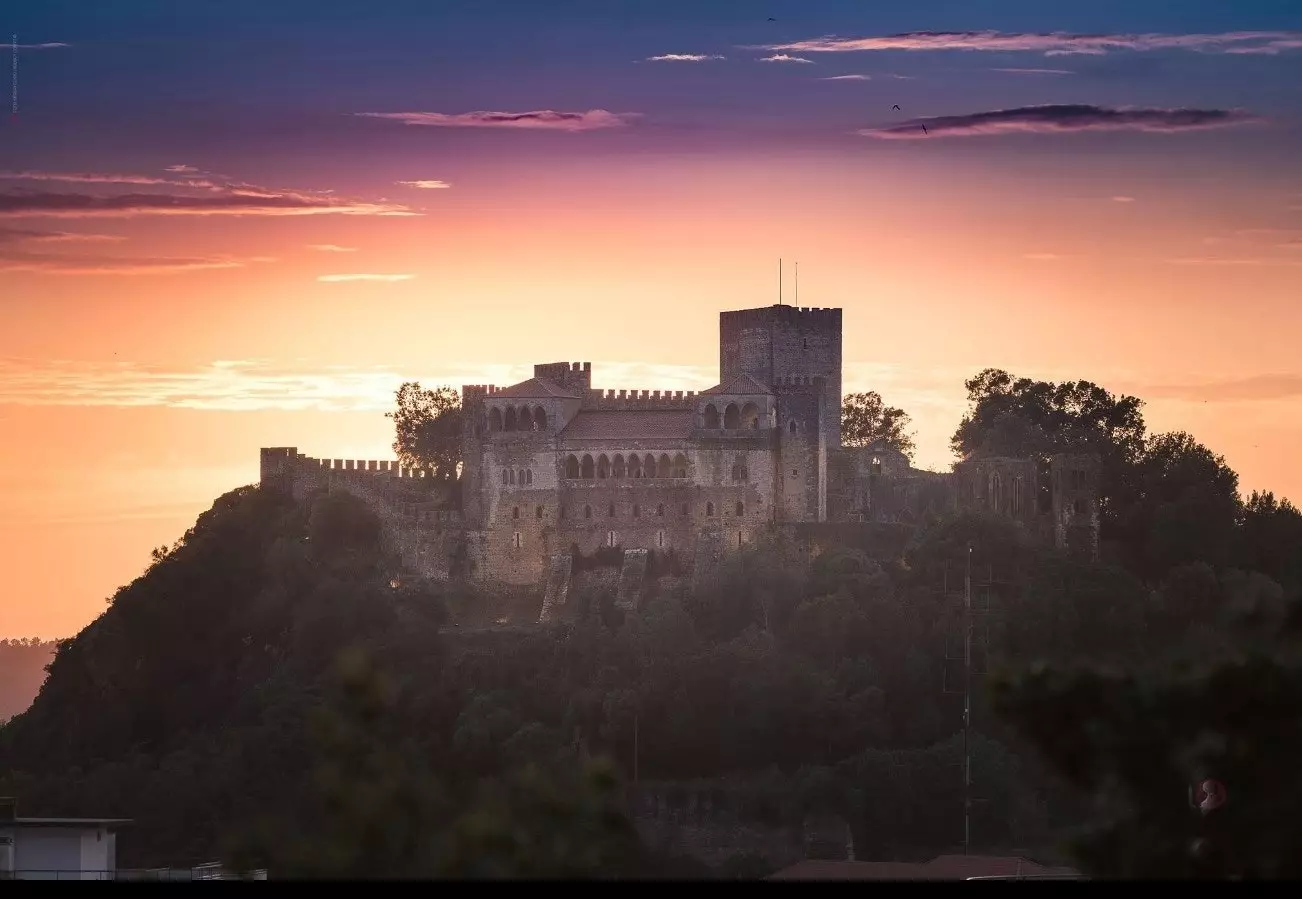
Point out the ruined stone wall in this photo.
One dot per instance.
(1003, 485)
(1074, 488)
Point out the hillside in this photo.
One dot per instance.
(272, 674)
(22, 671)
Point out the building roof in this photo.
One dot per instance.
(631, 424)
(535, 389)
(742, 385)
(945, 867)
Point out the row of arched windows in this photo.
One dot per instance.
(525, 418)
(745, 418)
(521, 478)
(739, 510)
(634, 466)
(997, 495)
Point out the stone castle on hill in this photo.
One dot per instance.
(551, 465)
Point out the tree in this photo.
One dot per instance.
(428, 429)
(865, 418)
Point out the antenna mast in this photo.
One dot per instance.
(967, 701)
(797, 298)
(779, 282)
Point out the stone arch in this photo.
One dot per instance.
(711, 417)
(571, 466)
(996, 492)
(585, 468)
(731, 417)
(617, 469)
(680, 466)
(736, 471)
(792, 426)
(709, 509)
(528, 476)
(509, 420)
(634, 466)
(750, 415)
(587, 511)
(603, 467)
(741, 509)
(494, 419)
(539, 418)
(664, 467)
(648, 466)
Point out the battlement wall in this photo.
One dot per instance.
(798, 316)
(639, 399)
(472, 392)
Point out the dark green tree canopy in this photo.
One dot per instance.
(427, 425)
(865, 418)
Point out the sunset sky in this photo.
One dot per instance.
(229, 224)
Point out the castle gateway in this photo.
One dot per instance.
(551, 464)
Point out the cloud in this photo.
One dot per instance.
(546, 119)
(1063, 118)
(42, 263)
(14, 235)
(363, 277)
(331, 248)
(109, 178)
(63, 205)
(1122, 199)
(1230, 260)
(847, 78)
(184, 169)
(1035, 71)
(782, 57)
(1258, 388)
(683, 57)
(50, 45)
(1056, 43)
(426, 185)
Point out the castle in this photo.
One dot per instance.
(551, 464)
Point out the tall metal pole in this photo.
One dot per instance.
(635, 717)
(779, 282)
(796, 299)
(967, 701)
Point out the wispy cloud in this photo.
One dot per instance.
(331, 248)
(1056, 43)
(14, 235)
(62, 205)
(182, 169)
(49, 45)
(426, 185)
(1231, 261)
(109, 265)
(546, 119)
(683, 57)
(110, 178)
(1120, 199)
(363, 277)
(1035, 71)
(782, 57)
(847, 78)
(1061, 119)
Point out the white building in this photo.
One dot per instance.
(56, 848)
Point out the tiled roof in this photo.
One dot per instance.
(631, 424)
(742, 385)
(534, 389)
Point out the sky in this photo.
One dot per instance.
(228, 224)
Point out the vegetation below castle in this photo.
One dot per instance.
(274, 690)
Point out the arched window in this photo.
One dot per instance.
(680, 466)
(649, 466)
(571, 466)
(617, 466)
(996, 493)
(539, 419)
(515, 512)
(741, 509)
(494, 419)
(508, 420)
(587, 511)
(711, 417)
(664, 467)
(750, 415)
(603, 467)
(585, 468)
(709, 509)
(792, 427)
(537, 513)
(731, 417)
(634, 467)
(660, 539)
(518, 541)
(1017, 496)
(506, 475)
(637, 511)
(524, 477)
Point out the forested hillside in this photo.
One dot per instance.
(273, 690)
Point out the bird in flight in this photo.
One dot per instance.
(771, 19)
(896, 106)
(924, 129)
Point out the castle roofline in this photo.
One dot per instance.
(742, 385)
(536, 389)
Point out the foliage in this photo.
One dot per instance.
(428, 425)
(865, 419)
